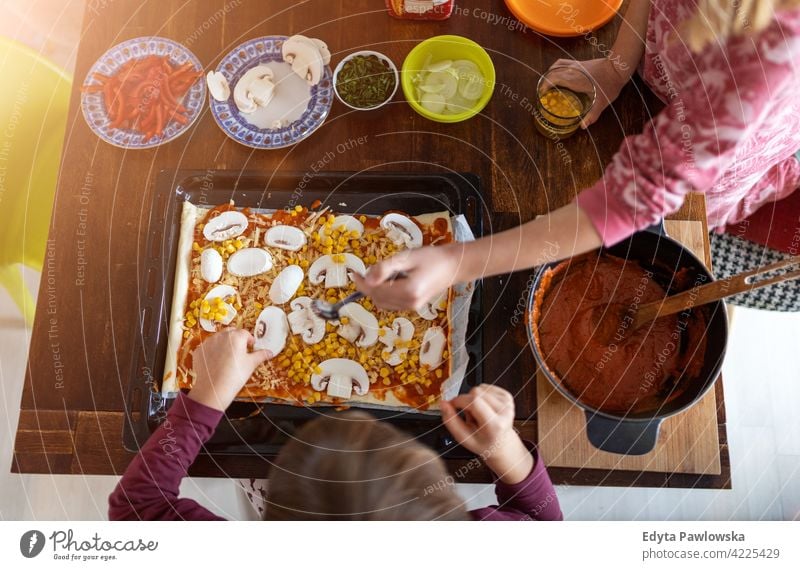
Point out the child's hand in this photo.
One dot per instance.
(487, 429)
(223, 364)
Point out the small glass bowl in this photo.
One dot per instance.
(571, 89)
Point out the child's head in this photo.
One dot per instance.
(355, 467)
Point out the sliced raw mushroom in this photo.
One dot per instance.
(433, 343)
(323, 50)
(402, 230)
(217, 303)
(210, 265)
(227, 225)
(305, 322)
(396, 339)
(254, 89)
(271, 330)
(249, 261)
(430, 310)
(289, 238)
(305, 58)
(317, 44)
(286, 284)
(262, 90)
(218, 86)
(335, 269)
(344, 223)
(339, 377)
(358, 325)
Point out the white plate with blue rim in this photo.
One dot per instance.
(296, 109)
(94, 107)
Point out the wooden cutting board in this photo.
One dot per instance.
(687, 442)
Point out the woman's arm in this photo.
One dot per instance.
(149, 487)
(629, 45)
(562, 233)
(612, 71)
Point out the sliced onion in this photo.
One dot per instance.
(470, 86)
(448, 82)
(438, 66)
(431, 88)
(463, 66)
(433, 102)
(449, 87)
(458, 104)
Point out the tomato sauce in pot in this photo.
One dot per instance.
(582, 317)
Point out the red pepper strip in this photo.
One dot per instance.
(182, 86)
(185, 67)
(108, 99)
(182, 74)
(182, 119)
(159, 120)
(146, 124)
(92, 89)
(140, 89)
(166, 92)
(120, 104)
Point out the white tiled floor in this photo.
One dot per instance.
(762, 388)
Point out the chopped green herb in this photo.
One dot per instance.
(365, 81)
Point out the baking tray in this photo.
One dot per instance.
(261, 429)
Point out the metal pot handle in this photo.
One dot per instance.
(620, 436)
(658, 228)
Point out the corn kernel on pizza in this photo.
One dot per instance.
(260, 270)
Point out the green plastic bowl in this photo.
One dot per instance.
(440, 48)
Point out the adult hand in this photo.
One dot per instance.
(609, 78)
(223, 364)
(428, 271)
(486, 428)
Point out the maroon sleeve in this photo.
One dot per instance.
(533, 498)
(149, 487)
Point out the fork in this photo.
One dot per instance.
(330, 311)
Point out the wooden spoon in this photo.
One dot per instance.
(716, 290)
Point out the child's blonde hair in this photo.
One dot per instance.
(717, 20)
(353, 467)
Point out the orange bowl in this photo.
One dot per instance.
(566, 17)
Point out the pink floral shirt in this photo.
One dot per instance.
(730, 128)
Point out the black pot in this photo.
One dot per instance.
(636, 433)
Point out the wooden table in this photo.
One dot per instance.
(71, 411)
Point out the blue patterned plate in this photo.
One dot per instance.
(301, 109)
(93, 104)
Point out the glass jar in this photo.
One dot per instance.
(420, 9)
(564, 96)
